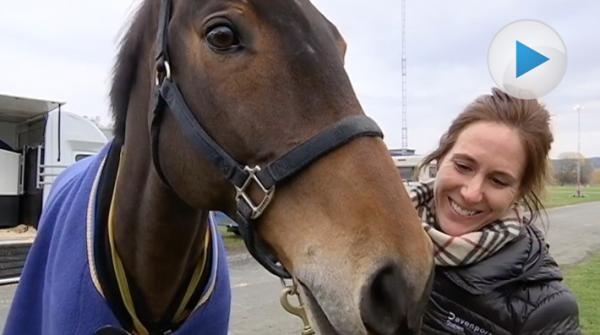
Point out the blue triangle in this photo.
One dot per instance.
(528, 59)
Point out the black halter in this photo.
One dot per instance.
(242, 176)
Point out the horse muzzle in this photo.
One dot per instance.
(385, 305)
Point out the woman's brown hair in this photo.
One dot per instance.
(532, 122)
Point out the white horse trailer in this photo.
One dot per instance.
(37, 142)
(407, 167)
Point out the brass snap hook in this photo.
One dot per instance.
(298, 310)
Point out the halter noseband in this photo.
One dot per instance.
(242, 176)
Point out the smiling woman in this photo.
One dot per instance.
(494, 274)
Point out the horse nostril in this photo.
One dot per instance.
(386, 306)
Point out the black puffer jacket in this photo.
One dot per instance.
(518, 290)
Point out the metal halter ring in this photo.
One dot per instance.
(240, 192)
(163, 71)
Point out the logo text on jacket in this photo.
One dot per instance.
(459, 324)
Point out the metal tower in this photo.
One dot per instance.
(404, 105)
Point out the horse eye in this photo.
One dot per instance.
(222, 38)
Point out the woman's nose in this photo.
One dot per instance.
(472, 191)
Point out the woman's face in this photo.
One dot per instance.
(479, 178)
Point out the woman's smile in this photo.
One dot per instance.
(460, 210)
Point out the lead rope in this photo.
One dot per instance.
(298, 310)
(121, 277)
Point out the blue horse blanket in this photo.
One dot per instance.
(59, 291)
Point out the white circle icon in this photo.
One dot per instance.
(527, 59)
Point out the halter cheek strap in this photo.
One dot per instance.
(168, 94)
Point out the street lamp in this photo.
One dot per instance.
(578, 109)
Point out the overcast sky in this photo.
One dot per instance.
(63, 50)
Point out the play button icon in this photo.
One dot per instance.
(527, 59)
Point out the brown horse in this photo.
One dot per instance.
(202, 85)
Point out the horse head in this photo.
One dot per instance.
(260, 78)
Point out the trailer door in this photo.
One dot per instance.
(31, 199)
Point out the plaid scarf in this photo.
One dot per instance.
(468, 248)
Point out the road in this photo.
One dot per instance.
(573, 233)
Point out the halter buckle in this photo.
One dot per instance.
(240, 192)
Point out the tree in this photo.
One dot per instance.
(565, 168)
(596, 177)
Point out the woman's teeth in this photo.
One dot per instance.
(462, 211)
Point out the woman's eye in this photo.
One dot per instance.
(222, 38)
(499, 182)
(462, 167)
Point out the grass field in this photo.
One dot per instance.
(233, 243)
(584, 280)
(564, 195)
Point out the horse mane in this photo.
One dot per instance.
(126, 65)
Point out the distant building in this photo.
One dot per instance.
(407, 163)
(402, 152)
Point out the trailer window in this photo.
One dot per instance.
(406, 172)
(79, 157)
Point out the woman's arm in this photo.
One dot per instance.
(557, 313)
